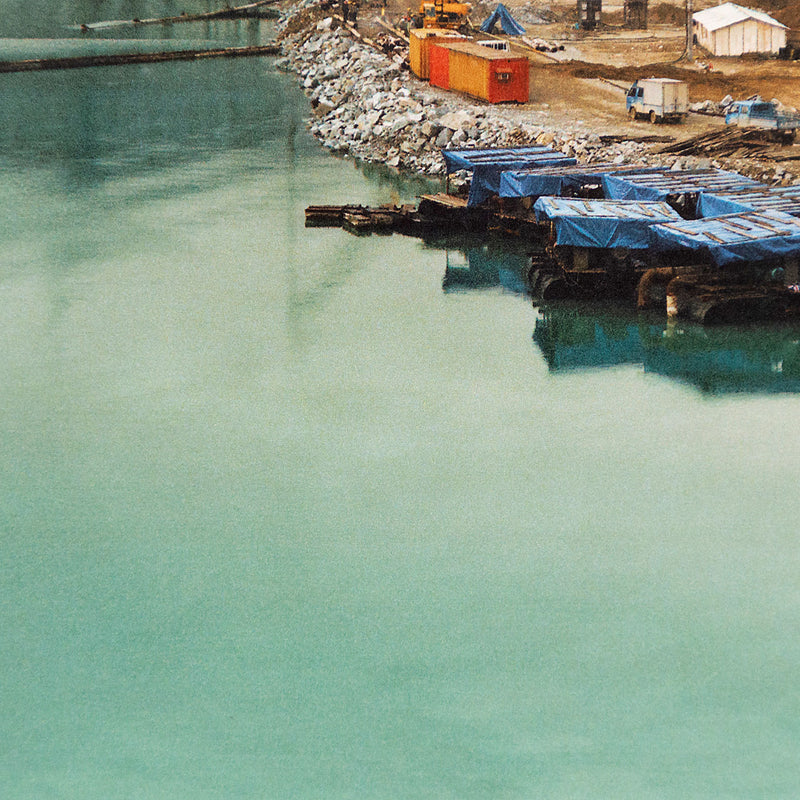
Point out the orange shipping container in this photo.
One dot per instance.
(480, 71)
(419, 44)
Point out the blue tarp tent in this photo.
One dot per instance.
(510, 157)
(735, 238)
(716, 205)
(507, 23)
(603, 223)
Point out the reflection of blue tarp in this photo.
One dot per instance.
(482, 267)
(603, 223)
(716, 361)
(507, 23)
(734, 238)
(662, 184)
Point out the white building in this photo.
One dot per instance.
(731, 30)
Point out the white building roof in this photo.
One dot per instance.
(722, 16)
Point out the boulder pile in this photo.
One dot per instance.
(368, 105)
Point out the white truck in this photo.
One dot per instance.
(659, 99)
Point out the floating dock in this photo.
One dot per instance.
(707, 245)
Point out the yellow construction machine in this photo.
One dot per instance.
(439, 14)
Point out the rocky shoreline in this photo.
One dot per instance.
(369, 106)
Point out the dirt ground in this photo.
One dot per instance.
(586, 80)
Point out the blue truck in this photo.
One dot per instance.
(758, 113)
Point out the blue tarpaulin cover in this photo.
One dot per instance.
(488, 164)
(660, 185)
(735, 238)
(486, 178)
(536, 182)
(603, 223)
(717, 205)
(510, 157)
(507, 23)
(785, 198)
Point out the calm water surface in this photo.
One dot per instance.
(287, 513)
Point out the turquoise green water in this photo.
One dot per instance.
(288, 513)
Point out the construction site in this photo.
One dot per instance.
(705, 227)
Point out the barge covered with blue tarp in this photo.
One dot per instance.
(662, 184)
(541, 181)
(603, 223)
(784, 198)
(508, 157)
(749, 237)
(487, 165)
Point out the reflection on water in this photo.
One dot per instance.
(482, 264)
(715, 360)
(401, 184)
(719, 360)
(98, 123)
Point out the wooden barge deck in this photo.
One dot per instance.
(687, 290)
(435, 213)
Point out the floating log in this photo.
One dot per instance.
(113, 60)
(450, 212)
(369, 220)
(326, 216)
(229, 12)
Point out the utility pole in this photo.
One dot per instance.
(689, 31)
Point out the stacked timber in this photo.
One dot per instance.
(732, 142)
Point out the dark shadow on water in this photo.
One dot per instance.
(405, 184)
(482, 262)
(720, 360)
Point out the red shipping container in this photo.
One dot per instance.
(439, 65)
